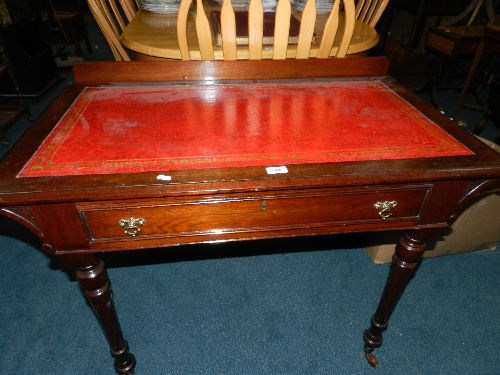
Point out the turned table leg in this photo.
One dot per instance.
(94, 282)
(409, 251)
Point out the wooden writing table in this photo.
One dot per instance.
(152, 36)
(191, 152)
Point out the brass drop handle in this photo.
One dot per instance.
(132, 225)
(385, 208)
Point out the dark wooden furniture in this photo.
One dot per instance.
(490, 37)
(13, 11)
(10, 110)
(67, 28)
(421, 9)
(493, 111)
(79, 215)
(450, 45)
(455, 41)
(32, 58)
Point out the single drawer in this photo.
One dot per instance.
(251, 212)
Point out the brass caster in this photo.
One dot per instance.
(372, 360)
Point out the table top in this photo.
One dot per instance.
(467, 157)
(235, 125)
(155, 35)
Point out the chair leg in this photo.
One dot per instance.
(86, 37)
(413, 34)
(494, 105)
(497, 138)
(433, 81)
(478, 129)
(3, 138)
(75, 41)
(468, 80)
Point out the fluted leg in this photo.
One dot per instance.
(409, 251)
(95, 285)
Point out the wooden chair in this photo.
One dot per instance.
(491, 110)
(255, 22)
(109, 16)
(370, 11)
(453, 43)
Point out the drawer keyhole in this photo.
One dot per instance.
(132, 225)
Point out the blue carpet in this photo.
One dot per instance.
(212, 309)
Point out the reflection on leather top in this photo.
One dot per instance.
(160, 128)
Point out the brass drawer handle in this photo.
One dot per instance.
(132, 225)
(385, 208)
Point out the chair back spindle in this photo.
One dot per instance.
(281, 29)
(255, 29)
(129, 7)
(108, 16)
(307, 23)
(350, 18)
(228, 30)
(370, 11)
(182, 15)
(203, 32)
(281, 50)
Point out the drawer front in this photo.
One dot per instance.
(250, 213)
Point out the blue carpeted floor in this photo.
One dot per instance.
(299, 307)
(212, 309)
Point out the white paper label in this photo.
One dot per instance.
(276, 170)
(163, 177)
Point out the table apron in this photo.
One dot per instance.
(170, 221)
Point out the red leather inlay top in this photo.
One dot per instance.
(153, 128)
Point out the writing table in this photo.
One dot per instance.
(191, 152)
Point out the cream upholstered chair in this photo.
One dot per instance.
(370, 11)
(255, 33)
(109, 16)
